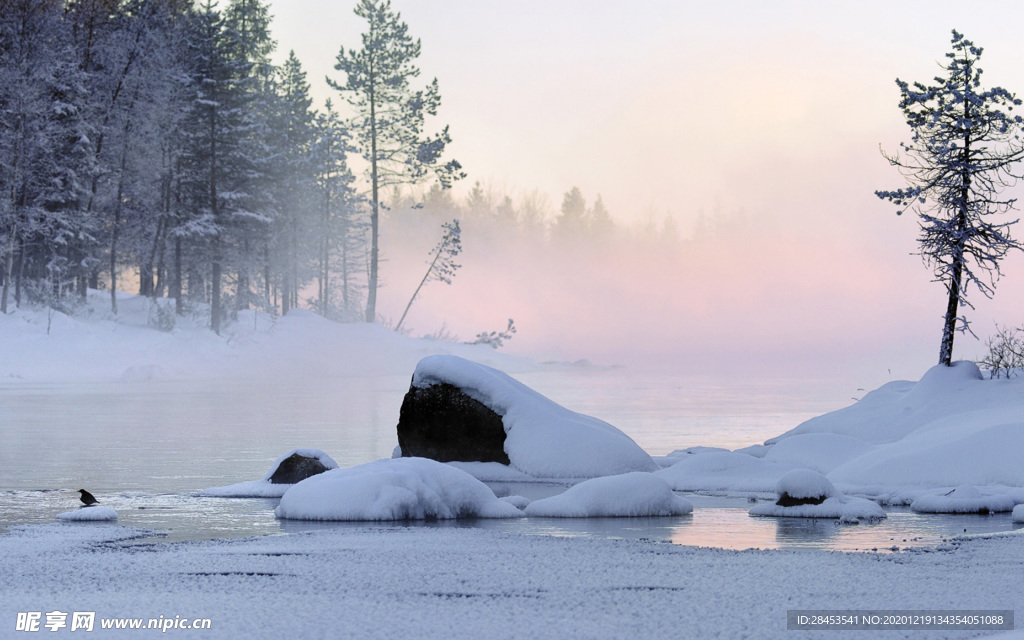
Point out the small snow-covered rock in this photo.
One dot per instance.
(1018, 513)
(804, 493)
(803, 486)
(627, 495)
(89, 514)
(292, 467)
(299, 464)
(963, 499)
(843, 508)
(393, 489)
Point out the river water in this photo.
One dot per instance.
(146, 448)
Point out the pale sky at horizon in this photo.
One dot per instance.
(773, 109)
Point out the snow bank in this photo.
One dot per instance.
(1018, 513)
(629, 495)
(949, 429)
(265, 488)
(393, 489)
(723, 471)
(97, 345)
(89, 514)
(543, 439)
(963, 499)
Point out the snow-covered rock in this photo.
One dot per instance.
(393, 489)
(803, 486)
(805, 493)
(295, 463)
(89, 514)
(963, 499)
(542, 438)
(628, 495)
(1018, 513)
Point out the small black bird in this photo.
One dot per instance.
(87, 498)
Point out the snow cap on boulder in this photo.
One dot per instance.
(542, 438)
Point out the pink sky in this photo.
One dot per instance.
(767, 114)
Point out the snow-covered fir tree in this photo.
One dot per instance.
(964, 146)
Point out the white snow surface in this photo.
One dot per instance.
(963, 499)
(453, 583)
(265, 488)
(804, 483)
(91, 513)
(629, 495)
(393, 489)
(724, 471)
(543, 439)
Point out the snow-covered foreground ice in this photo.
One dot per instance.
(369, 582)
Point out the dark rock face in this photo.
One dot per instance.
(296, 468)
(442, 423)
(786, 500)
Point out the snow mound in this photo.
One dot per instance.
(89, 514)
(805, 483)
(1018, 513)
(265, 488)
(963, 499)
(627, 495)
(519, 502)
(951, 428)
(723, 471)
(393, 489)
(818, 451)
(543, 439)
(843, 508)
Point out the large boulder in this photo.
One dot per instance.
(442, 423)
(458, 410)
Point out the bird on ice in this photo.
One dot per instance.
(87, 498)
